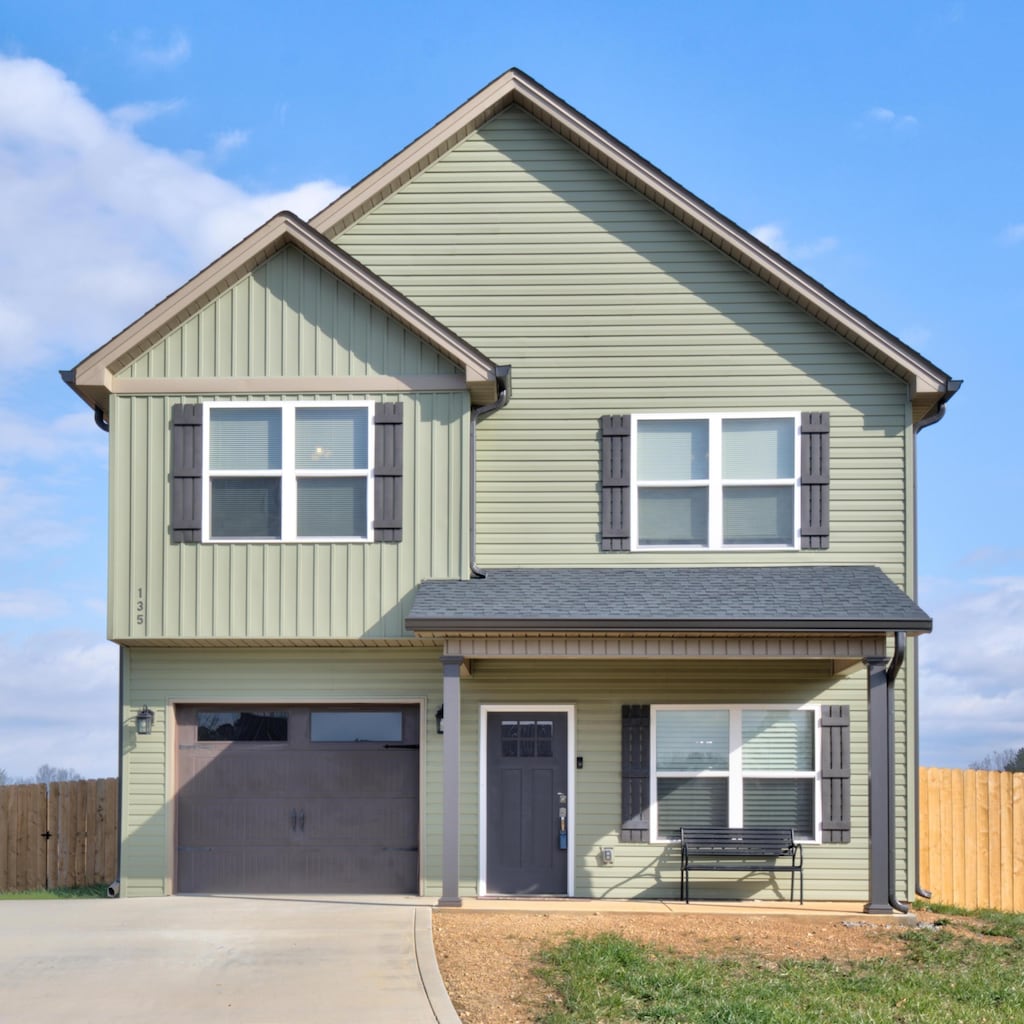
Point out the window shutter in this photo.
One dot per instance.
(387, 471)
(835, 773)
(615, 483)
(636, 768)
(814, 480)
(186, 474)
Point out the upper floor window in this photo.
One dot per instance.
(287, 471)
(714, 481)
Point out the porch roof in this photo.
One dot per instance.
(783, 599)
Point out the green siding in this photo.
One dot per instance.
(158, 677)
(279, 591)
(604, 303)
(596, 690)
(289, 318)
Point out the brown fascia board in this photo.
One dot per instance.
(928, 384)
(91, 378)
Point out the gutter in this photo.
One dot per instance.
(503, 376)
(952, 387)
(890, 695)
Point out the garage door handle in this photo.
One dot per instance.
(292, 817)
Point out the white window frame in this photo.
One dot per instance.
(715, 484)
(735, 773)
(288, 474)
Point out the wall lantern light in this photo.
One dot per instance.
(144, 721)
(439, 719)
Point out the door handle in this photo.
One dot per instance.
(302, 821)
(292, 817)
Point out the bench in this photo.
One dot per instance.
(740, 849)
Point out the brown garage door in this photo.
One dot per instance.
(311, 800)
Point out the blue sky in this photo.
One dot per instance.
(879, 146)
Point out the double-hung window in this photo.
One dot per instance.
(714, 481)
(287, 471)
(735, 766)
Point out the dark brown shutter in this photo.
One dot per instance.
(186, 474)
(835, 773)
(814, 480)
(615, 483)
(387, 471)
(636, 773)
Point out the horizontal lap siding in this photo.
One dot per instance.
(279, 591)
(289, 318)
(598, 690)
(603, 303)
(159, 677)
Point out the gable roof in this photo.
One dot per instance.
(775, 599)
(929, 386)
(93, 377)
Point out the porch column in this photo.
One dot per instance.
(878, 788)
(451, 664)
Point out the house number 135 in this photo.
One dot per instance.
(140, 608)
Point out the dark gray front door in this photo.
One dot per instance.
(527, 779)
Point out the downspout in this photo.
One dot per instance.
(890, 695)
(503, 377)
(97, 415)
(952, 387)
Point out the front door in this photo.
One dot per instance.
(527, 803)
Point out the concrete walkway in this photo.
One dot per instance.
(261, 960)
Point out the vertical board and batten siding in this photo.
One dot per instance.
(604, 303)
(233, 677)
(288, 318)
(275, 590)
(598, 690)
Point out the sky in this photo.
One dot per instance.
(879, 146)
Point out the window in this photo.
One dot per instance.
(242, 726)
(287, 471)
(714, 481)
(355, 726)
(733, 766)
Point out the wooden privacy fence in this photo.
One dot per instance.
(972, 838)
(58, 835)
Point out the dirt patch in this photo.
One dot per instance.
(487, 957)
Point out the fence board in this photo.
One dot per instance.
(81, 818)
(972, 837)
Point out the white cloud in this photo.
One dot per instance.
(774, 236)
(228, 141)
(883, 115)
(59, 694)
(972, 682)
(167, 54)
(131, 114)
(106, 225)
(1012, 235)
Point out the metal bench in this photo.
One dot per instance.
(740, 849)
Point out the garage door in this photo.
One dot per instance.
(289, 800)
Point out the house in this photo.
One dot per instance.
(518, 508)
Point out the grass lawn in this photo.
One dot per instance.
(87, 892)
(970, 976)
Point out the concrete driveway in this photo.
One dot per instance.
(220, 958)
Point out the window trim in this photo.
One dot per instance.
(715, 483)
(735, 774)
(288, 474)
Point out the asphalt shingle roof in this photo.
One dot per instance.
(833, 598)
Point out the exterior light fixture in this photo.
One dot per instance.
(439, 719)
(144, 721)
